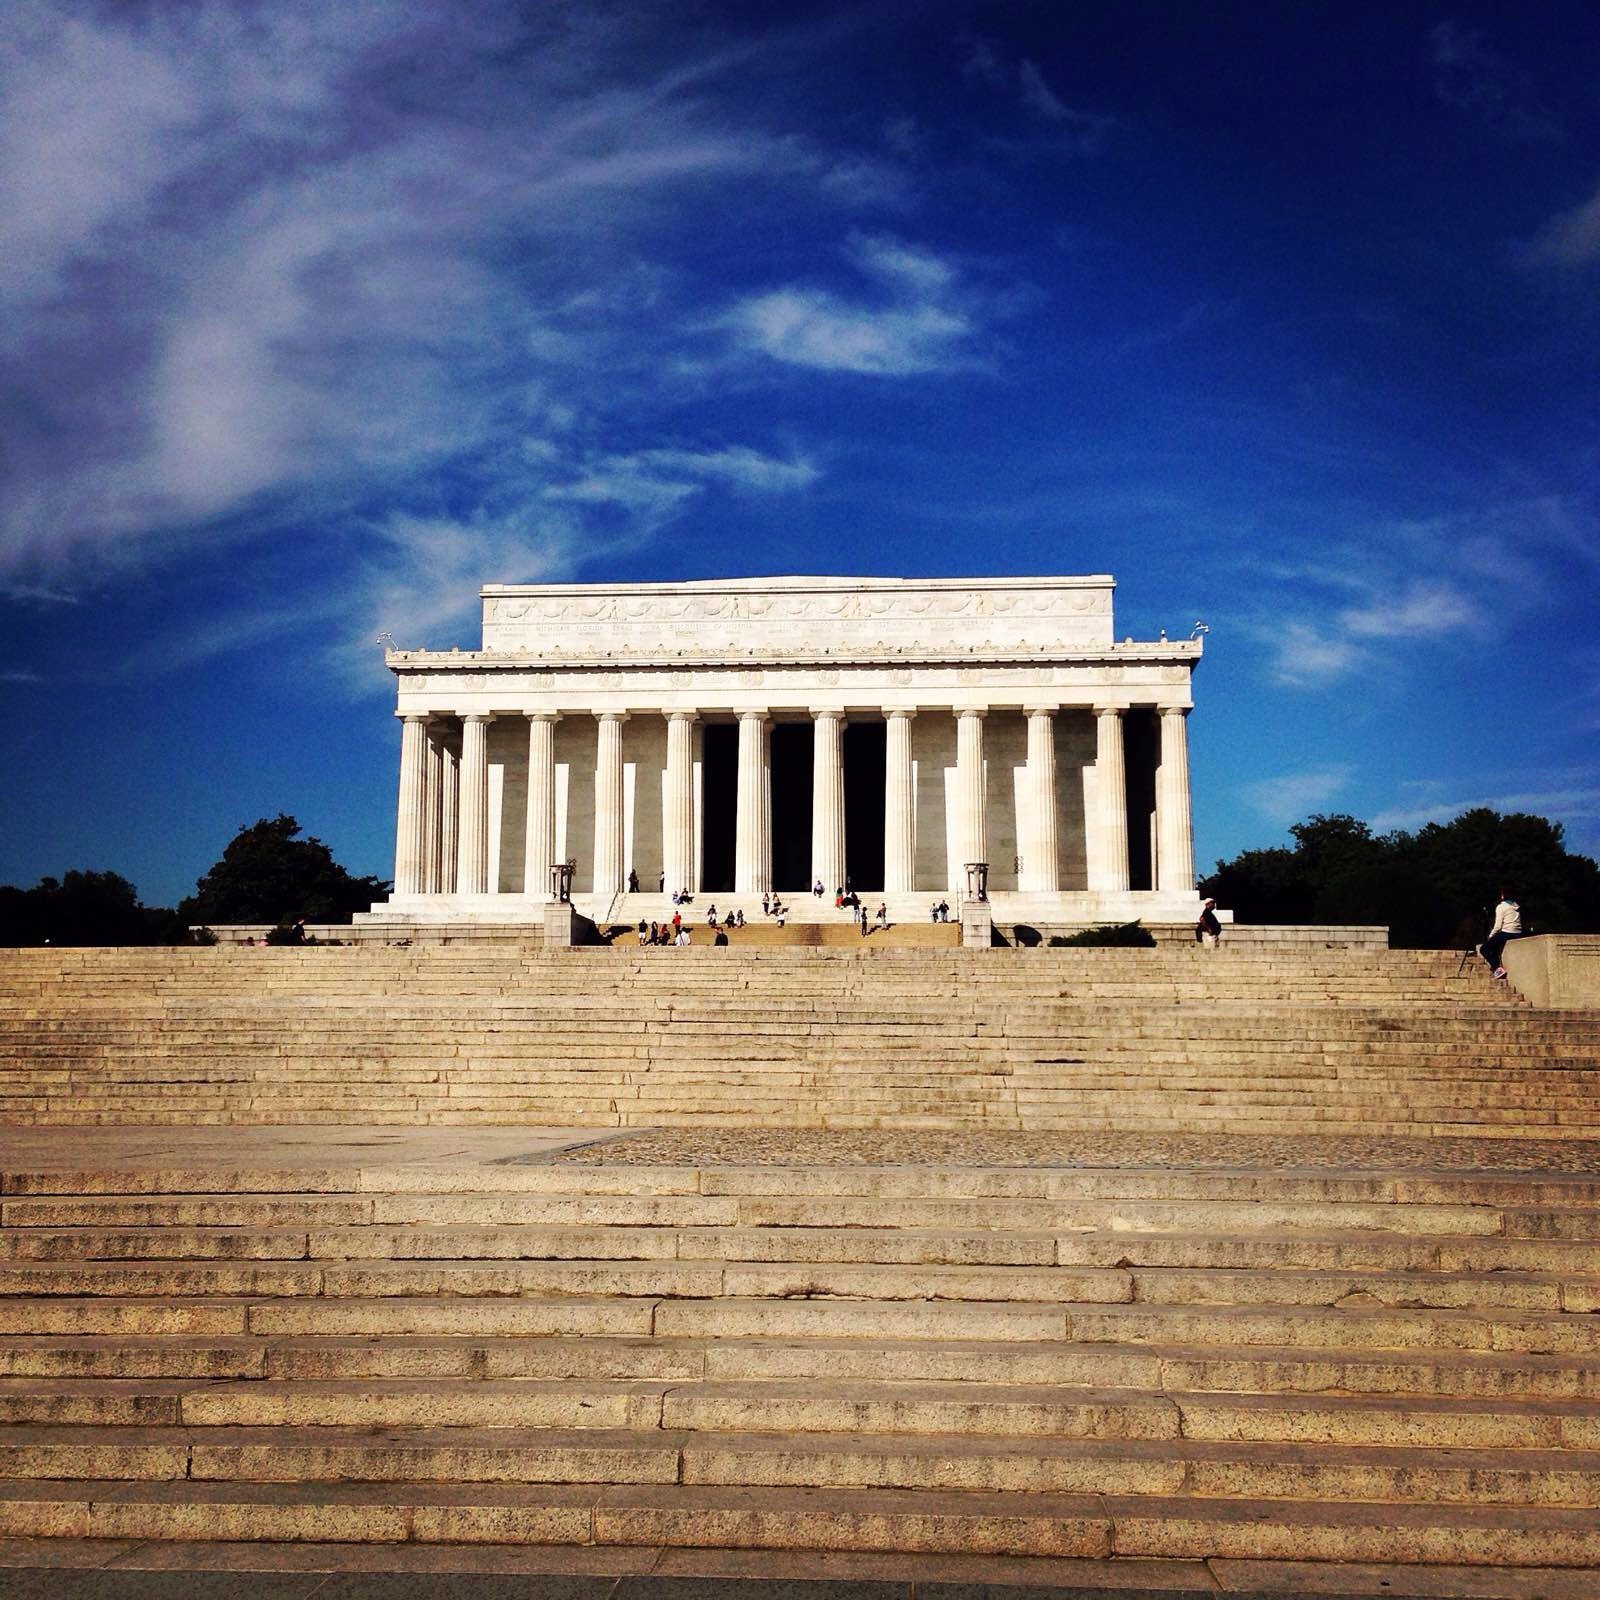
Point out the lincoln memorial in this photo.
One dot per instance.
(763, 734)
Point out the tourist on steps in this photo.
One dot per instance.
(644, 931)
(1207, 929)
(633, 881)
(1507, 926)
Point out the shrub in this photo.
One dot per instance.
(1131, 934)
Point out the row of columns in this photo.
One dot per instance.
(442, 838)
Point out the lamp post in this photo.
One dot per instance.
(977, 880)
(561, 881)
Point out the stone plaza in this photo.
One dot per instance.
(752, 736)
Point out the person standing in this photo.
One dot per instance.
(1507, 925)
(1207, 929)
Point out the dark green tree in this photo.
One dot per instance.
(1433, 889)
(269, 874)
(82, 908)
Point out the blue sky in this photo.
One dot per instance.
(313, 317)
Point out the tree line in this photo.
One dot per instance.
(1434, 889)
(268, 874)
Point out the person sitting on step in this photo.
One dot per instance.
(1507, 926)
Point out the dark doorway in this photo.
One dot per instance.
(866, 754)
(719, 802)
(1140, 743)
(793, 760)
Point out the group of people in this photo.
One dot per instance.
(939, 911)
(734, 919)
(663, 933)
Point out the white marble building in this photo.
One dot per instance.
(759, 734)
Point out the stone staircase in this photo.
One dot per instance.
(1248, 1039)
(1243, 1363)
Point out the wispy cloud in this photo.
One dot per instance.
(917, 323)
(1306, 657)
(1293, 796)
(1059, 127)
(19, 675)
(1570, 238)
(1460, 578)
(258, 260)
(1471, 76)
(1570, 796)
(1425, 610)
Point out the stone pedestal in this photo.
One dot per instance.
(977, 925)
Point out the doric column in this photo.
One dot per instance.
(899, 826)
(1112, 782)
(971, 826)
(1174, 825)
(472, 853)
(608, 862)
(409, 822)
(827, 799)
(449, 822)
(539, 849)
(1041, 869)
(752, 865)
(677, 817)
(432, 815)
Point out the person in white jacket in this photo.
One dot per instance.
(1507, 925)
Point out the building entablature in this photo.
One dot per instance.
(451, 683)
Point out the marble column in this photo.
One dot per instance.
(1112, 783)
(899, 815)
(752, 867)
(677, 817)
(449, 822)
(1041, 866)
(971, 824)
(608, 830)
(827, 799)
(432, 815)
(408, 833)
(539, 848)
(1174, 825)
(472, 827)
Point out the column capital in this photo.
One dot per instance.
(476, 716)
(542, 716)
(971, 711)
(756, 716)
(1174, 711)
(421, 717)
(683, 716)
(1110, 711)
(1040, 711)
(819, 712)
(611, 716)
(900, 711)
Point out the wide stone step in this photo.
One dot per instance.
(975, 1409)
(1306, 1371)
(747, 1518)
(1205, 1469)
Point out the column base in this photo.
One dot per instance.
(977, 925)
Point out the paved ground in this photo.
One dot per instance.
(332, 1147)
(109, 1570)
(696, 1147)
